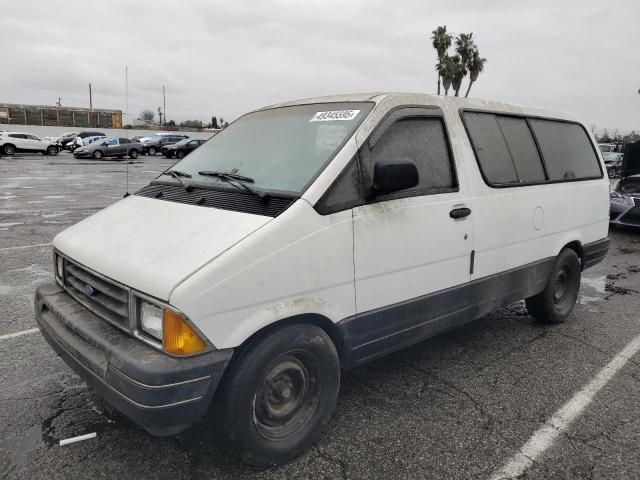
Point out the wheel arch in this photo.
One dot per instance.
(576, 246)
(316, 319)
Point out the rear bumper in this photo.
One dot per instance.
(161, 393)
(595, 252)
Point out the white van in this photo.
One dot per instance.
(313, 236)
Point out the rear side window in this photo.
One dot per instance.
(505, 147)
(490, 147)
(522, 148)
(423, 141)
(567, 151)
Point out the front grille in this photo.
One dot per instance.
(632, 217)
(103, 297)
(636, 201)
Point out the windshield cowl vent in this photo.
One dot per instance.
(225, 200)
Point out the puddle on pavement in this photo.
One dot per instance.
(591, 285)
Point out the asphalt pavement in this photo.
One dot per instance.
(459, 406)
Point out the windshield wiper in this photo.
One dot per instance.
(234, 176)
(237, 181)
(177, 174)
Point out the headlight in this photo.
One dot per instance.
(151, 319)
(169, 327)
(618, 198)
(59, 266)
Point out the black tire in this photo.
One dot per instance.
(133, 153)
(51, 150)
(9, 149)
(152, 150)
(98, 154)
(278, 396)
(556, 302)
(180, 154)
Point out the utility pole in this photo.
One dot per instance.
(59, 103)
(160, 115)
(126, 88)
(164, 105)
(90, 99)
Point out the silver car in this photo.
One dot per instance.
(625, 197)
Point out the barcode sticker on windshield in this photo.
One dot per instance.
(335, 115)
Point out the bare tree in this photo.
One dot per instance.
(147, 115)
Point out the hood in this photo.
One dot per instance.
(631, 160)
(152, 245)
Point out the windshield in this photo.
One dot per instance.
(280, 149)
(183, 142)
(605, 148)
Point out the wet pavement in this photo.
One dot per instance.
(457, 406)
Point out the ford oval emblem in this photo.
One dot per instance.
(88, 290)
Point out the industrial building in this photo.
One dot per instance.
(46, 115)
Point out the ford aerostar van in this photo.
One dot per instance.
(314, 236)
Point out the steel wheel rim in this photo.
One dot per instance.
(287, 396)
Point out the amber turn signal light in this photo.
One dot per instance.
(178, 338)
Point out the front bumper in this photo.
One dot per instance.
(161, 393)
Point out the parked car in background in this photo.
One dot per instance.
(182, 148)
(624, 207)
(13, 142)
(109, 147)
(72, 146)
(81, 142)
(157, 141)
(66, 138)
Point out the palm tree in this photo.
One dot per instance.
(465, 47)
(446, 68)
(459, 71)
(475, 66)
(441, 41)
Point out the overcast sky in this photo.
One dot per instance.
(228, 57)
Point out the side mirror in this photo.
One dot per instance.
(393, 175)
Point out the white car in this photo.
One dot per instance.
(13, 142)
(81, 142)
(314, 236)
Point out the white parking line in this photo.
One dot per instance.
(543, 439)
(18, 334)
(4, 249)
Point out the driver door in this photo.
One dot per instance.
(412, 247)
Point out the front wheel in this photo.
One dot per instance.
(98, 154)
(133, 153)
(52, 150)
(277, 398)
(9, 149)
(555, 303)
(152, 150)
(180, 154)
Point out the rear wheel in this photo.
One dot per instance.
(98, 154)
(180, 154)
(9, 149)
(556, 302)
(152, 150)
(277, 398)
(133, 153)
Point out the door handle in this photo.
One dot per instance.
(460, 212)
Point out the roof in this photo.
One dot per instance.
(445, 102)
